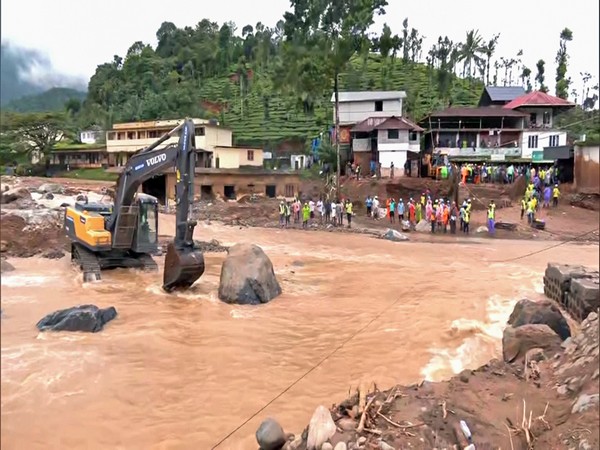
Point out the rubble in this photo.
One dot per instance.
(574, 287)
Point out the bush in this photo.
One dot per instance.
(30, 170)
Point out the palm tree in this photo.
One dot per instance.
(470, 51)
(489, 50)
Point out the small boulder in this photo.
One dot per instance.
(3, 246)
(270, 435)
(585, 402)
(88, 318)
(516, 342)
(247, 276)
(49, 196)
(81, 198)
(393, 235)
(15, 194)
(528, 312)
(423, 226)
(52, 188)
(320, 429)
(5, 266)
(54, 253)
(482, 229)
(405, 225)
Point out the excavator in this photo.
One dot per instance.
(125, 234)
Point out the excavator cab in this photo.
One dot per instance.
(145, 239)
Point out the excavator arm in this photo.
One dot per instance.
(184, 264)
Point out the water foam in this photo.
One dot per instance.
(24, 280)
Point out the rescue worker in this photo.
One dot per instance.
(392, 211)
(281, 213)
(555, 195)
(467, 220)
(349, 212)
(491, 215)
(305, 215)
(530, 211)
(523, 206)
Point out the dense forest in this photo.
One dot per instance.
(54, 99)
(275, 83)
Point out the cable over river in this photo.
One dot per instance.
(182, 371)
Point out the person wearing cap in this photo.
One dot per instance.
(348, 207)
(555, 195)
(281, 213)
(467, 220)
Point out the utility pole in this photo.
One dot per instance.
(337, 134)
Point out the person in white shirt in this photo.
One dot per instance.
(311, 205)
(375, 210)
(320, 210)
(334, 213)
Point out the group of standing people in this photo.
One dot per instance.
(535, 192)
(325, 211)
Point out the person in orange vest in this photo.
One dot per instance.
(388, 202)
(445, 216)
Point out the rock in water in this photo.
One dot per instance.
(88, 318)
(247, 276)
(5, 266)
(52, 188)
(320, 429)
(270, 435)
(516, 342)
(15, 194)
(528, 312)
(393, 235)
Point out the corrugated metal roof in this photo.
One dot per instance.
(504, 93)
(368, 96)
(481, 111)
(537, 98)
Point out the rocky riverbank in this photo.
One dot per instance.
(543, 394)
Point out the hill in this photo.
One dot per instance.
(51, 100)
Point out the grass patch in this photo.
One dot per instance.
(97, 174)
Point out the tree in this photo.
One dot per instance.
(526, 79)
(335, 30)
(539, 77)
(489, 50)
(562, 82)
(470, 52)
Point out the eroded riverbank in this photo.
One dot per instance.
(183, 372)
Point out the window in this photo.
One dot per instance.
(533, 119)
(553, 141)
(131, 135)
(532, 142)
(289, 190)
(142, 134)
(546, 118)
(379, 105)
(250, 155)
(413, 136)
(112, 135)
(393, 134)
(199, 131)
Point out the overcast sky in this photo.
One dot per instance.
(77, 35)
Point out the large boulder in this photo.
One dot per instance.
(52, 188)
(15, 194)
(88, 318)
(528, 312)
(393, 235)
(270, 435)
(516, 342)
(247, 276)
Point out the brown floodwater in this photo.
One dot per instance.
(181, 372)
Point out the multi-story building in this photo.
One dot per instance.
(519, 130)
(372, 128)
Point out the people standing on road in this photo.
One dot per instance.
(320, 211)
(340, 210)
(311, 206)
(523, 206)
(453, 217)
(288, 214)
(297, 207)
(467, 220)
(401, 210)
(334, 207)
(393, 211)
(530, 211)
(432, 216)
(375, 210)
(327, 207)
(445, 216)
(547, 197)
(419, 213)
(555, 195)
(305, 215)
(281, 213)
(369, 205)
(349, 212)
(412, 213)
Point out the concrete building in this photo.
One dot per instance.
(90, 136)
(358, 106)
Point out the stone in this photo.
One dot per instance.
(587, 293)
(326, 446)
(5, 266)
(320, 429)
(52, 188)
(535, 354)
(15, 194)
(393, 235)
(80, 198)
(516, 342)
(341, 446)
(405, 225)
(247, 276)
(87, 318)
(49, 196)
(54, 253)
(3, 246)
(528, 312)
(585, 402)
(482, 229)
(347, 424)
(423, 226)
(270, 435)
(385, 446)
(361, 440)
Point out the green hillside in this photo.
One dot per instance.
(49, 101)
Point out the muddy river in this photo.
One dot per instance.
(181, 372)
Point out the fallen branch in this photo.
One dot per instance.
(397, 425)
(363, 417)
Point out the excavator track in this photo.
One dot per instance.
(148, 264)
(87, 261)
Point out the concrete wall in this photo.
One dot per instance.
(354, 112)
(543, 140)
(286, 185)
(236, 157)
(587, 169)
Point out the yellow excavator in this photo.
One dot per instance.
(125, 234)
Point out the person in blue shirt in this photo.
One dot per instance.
(393, 211)
(369, 205)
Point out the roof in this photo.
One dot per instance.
(537, 98)
(385, 123)
(368, 96)
(479, 111)
(504, 93)
(238, 147)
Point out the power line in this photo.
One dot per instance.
(305, 374)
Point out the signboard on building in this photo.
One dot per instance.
(512, 152)
(267, 155)
(497, 157)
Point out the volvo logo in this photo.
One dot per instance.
(156, 160)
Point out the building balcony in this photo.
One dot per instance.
(492, 154)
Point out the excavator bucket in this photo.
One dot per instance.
(182, 268)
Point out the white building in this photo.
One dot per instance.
(358, 106)
(90, 136)
(539, 132)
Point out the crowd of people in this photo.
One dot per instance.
(541, 188)
(325, 211)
